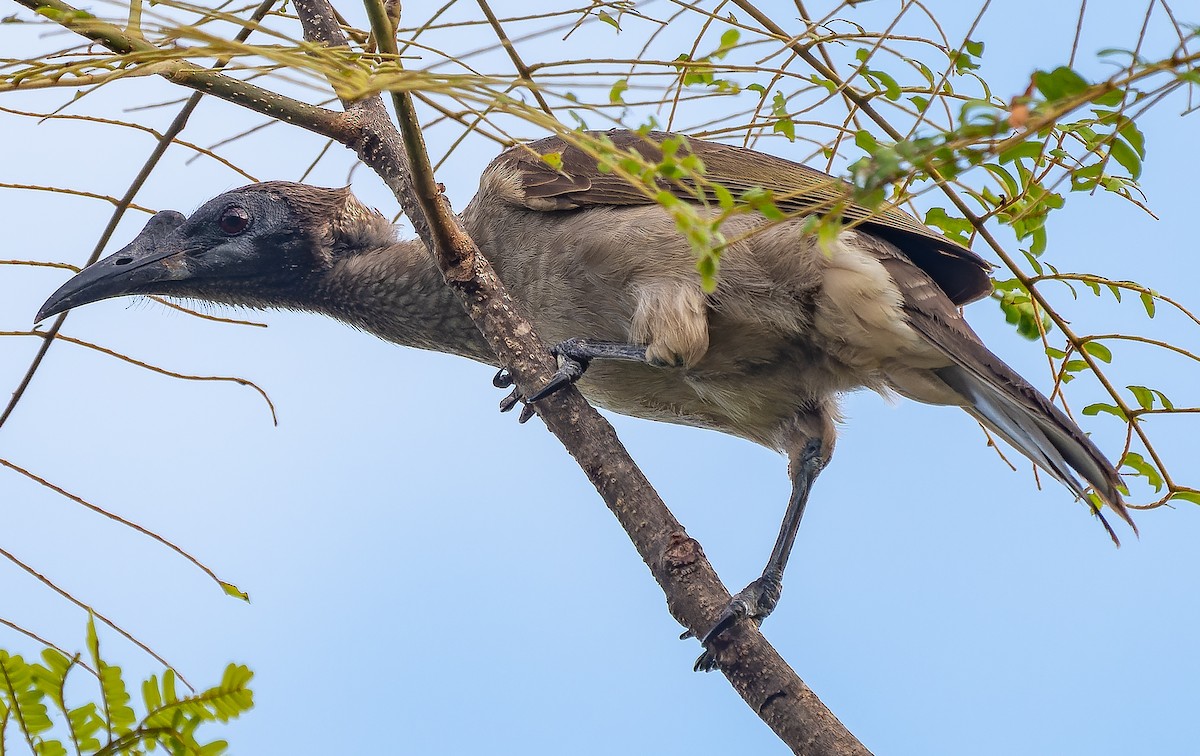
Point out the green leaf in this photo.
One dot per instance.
(784, 125)
(1130, 133)
(666, 198)
(19, 681)
(231, 589)
(925, 71)
(729, 39)
(85, 723)
(1144, 469)
(1086, 178)
(1011, 188)
(724, 198)
(827, 234)
(762, 200)
(57, 661)
(829, 86)
(1098, 350)
(615, 95)
(866, 141)
(1033, 262)
(1126, 156)
(93, 641)
(1191, 496)
(1143, 395)
(964, 60)
(1166, 403)
(116, 699)
(49, 748)
(958, 229)
(608, 19)
(168, 686)
(1029, 150)
(1060, 83)
(1098, 407)
(150, 693)
(891, 90)
(1148, 303)
(1146, 397)
(1037, 241)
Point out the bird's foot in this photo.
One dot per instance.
(755, 602)
(504, 379)
(574, 356)
(573, 360)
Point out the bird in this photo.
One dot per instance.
(793, 322)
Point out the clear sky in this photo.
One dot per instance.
(429, 577)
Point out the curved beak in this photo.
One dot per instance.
(153, 257)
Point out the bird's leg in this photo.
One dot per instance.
(757, 600)
(574, 355)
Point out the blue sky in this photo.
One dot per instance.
(429, 577)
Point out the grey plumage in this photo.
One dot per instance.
(789, 327)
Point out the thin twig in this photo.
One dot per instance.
(117, 518)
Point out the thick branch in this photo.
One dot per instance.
(694, 592)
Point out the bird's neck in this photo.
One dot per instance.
(397, 293)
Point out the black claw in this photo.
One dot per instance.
(502, 379)
(706, 662)
(526, 413)
(566, 375)
(510, 401)
(731, 614)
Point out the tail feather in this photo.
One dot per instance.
(996, 395)
(1043, 440)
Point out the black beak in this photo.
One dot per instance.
(153, 257)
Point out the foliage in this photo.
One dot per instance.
(34, 707)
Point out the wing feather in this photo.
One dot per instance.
(796, 189)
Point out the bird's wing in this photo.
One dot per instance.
(998, 397)
(574, 181)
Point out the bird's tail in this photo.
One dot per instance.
(997, 396)
(1013, 409)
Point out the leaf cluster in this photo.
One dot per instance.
(34, 708)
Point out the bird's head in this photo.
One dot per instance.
(263, 245)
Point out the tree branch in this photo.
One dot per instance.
(694, 592)
(204, 80)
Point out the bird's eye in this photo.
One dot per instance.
(234, 220)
